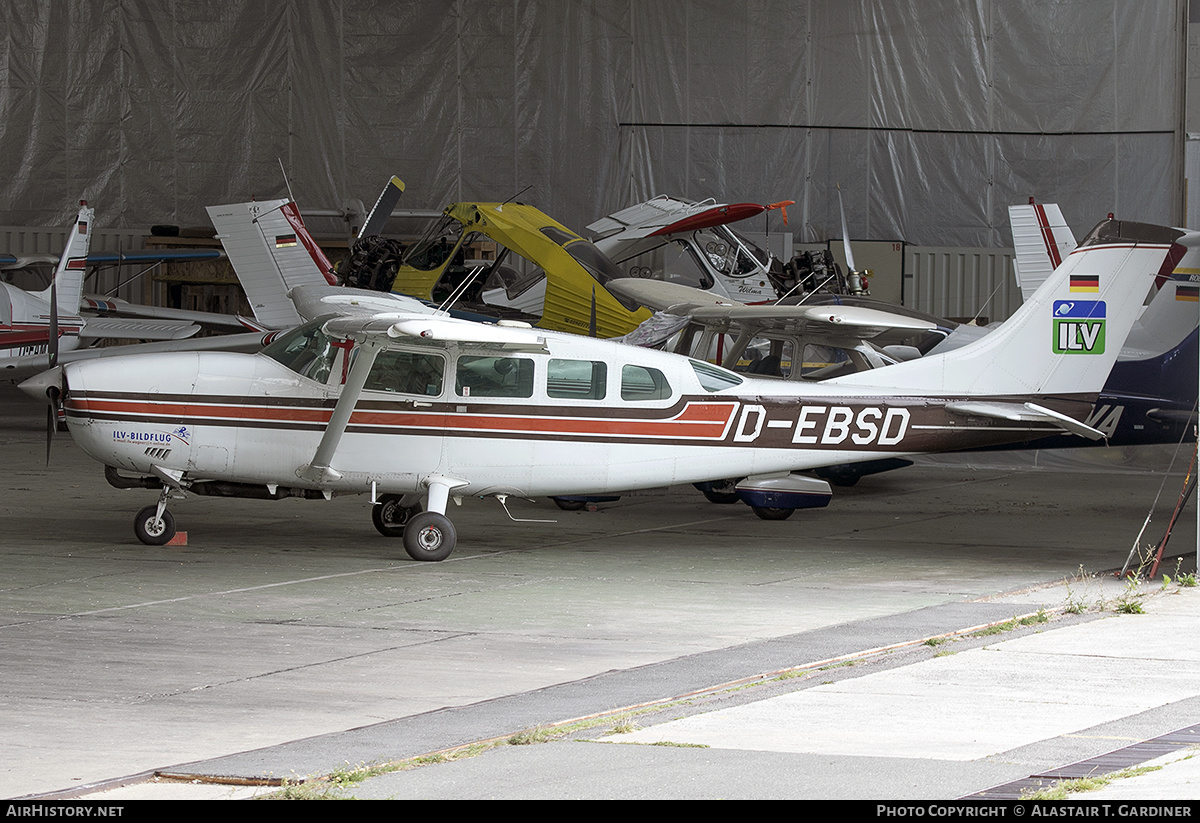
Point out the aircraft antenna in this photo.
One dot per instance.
(286, 182)
(518, 194)
(974, 320)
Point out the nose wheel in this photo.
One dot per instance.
(154, 525)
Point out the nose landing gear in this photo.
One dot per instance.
(154, 525)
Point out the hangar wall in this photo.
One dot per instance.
(932, 116)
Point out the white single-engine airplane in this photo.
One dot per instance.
(403, 405)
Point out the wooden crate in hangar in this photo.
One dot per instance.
(481, 250)
(207, 285)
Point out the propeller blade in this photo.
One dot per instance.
(382, 209)
(52, 395)
(846, 233)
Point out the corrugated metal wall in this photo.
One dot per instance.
(24, 240)
(961, 283)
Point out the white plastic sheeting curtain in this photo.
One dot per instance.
(932, 115)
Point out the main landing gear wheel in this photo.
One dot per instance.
(722, 492)
(152, 529)
(389, 517)
(429, 536)
(569, 505)
(768, 513)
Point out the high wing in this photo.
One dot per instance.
(821, 321)
(179, 319)
(113, 258)
(665, 215)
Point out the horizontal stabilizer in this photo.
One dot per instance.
(129, 328)
(658, 295)
(115, 305)
(1024, 413)
(856, 320)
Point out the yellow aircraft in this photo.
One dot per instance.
(511, 260)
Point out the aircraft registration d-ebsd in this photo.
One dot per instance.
(407, 406)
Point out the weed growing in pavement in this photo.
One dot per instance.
(1182, 579)
(1130, 600)
(1064, 788)
(1076, 602)
(1040, 616)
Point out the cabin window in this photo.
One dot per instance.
(643, 383)
(494, 377)
(823, 362)
(766, 358)
(406, 373)
(714, 378)
(576, 379)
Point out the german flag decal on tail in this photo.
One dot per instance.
(1085, 283)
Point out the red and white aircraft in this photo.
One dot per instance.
(406, 406)
(29, 320)
(691, 244)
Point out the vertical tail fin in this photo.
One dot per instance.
(72, 266)
(1065, 339)
(1170, 315)
(1042, 240)
(271, 253)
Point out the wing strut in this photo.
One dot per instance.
(319, 470)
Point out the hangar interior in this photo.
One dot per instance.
(931, 117)
(283, 643)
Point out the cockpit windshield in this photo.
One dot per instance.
(306, 350)
(436, 246)
(730, 253)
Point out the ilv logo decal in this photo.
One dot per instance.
(1079, 326)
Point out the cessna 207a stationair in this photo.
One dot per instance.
(405, 406)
